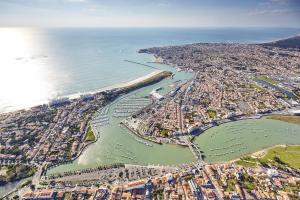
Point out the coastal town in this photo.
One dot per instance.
(217, 181)
(231, 81)
(54, 133)
(149, 100)
(51, 133)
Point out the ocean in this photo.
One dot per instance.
(38, 65)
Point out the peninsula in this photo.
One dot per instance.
(231, 81)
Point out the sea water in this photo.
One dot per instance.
(38, 65)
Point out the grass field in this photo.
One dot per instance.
(277, 156)
(89, 136)
(285, 118)
(246, 163)
(289, 155)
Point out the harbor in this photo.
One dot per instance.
(127, 106)
(117, 144)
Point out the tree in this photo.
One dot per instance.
(121, 174)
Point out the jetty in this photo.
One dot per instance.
(138, 63)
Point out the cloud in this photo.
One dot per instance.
(277, 7)
(275, 12)
(272, 3)
(163, 5)
(280, 1)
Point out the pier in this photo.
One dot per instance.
(141, 64)
(102, 119)
(129, 106)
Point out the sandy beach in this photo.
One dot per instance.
(126, 84)
(138, 80)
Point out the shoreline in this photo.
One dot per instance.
(262, 151)
(261, 116)
(122, 85)
(138, 80)
(138, 135)
(205, 127)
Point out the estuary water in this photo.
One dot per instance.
(231, 140)
(37, 65)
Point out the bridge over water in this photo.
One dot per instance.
(194, 148)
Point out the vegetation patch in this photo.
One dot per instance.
(15, 173)
(230, 185)
(248, 182)
(289, 155)
(286, 118)
(165, 132)
(246, 163)
(89, 136)
(267, 79)
(256, 87)
(211, 113)
(280, 156)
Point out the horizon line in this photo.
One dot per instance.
(154, 27)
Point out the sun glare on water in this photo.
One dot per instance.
(24, 79)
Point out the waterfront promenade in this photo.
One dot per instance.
(127, 172)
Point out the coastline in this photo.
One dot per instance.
(128, 87)
(143, 81)
(259, 153)
(261, 116)
(138, 80)
(158, 74)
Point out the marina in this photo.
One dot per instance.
(127, 106)
(118, 144)
(101, 119)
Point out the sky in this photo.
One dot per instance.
(150, 13)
